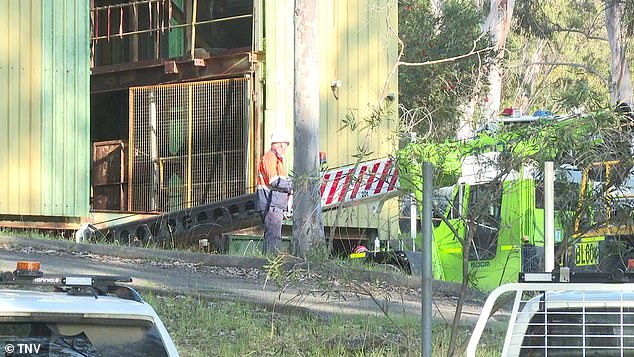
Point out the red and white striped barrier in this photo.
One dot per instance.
(371, 180)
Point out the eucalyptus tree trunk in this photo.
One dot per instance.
(436, 8)
(308, 230)
(527, 87)
(620, 80)
(497, 26)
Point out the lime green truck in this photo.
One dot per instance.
(503, 221)
(503, 215)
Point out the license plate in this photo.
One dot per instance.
(586, 253)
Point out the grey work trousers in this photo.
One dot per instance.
(272, 222)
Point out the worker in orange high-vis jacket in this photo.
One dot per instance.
(273, 191)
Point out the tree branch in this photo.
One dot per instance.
(399, 63)
(451, 59)
(586, 34)
(569, 64)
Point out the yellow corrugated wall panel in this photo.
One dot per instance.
(279, 38)
(356, 48)
(36, 107)
(20, 64)
(5, 61)
(44, 118)
(361, 54)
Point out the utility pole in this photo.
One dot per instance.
(549, 216)
(427, 300)
(308, 230)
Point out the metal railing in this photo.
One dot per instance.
(563, 319)
(158, 29)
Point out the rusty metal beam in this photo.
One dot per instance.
(153, 72)
(39, 225)
(39, 222)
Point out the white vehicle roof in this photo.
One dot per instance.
(26, 301)
(93, 309)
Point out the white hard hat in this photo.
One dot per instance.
(280, 136)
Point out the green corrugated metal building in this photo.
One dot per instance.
(47, 49)
(44, 110)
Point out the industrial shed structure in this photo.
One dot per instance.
(123, 108)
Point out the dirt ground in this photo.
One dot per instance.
(315, 291)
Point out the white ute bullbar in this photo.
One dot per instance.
(564, 314)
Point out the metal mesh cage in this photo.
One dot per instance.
(188, 144)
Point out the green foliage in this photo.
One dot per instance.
(558, 57)
(532, 20)
(378, 115)
(439, 88)
(275, 270)
(578, 142)
(577, 90)
(444, 156)
(30, 233)
(367, 125)
(349, 122)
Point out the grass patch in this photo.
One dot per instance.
(32, 233)
(222, 328)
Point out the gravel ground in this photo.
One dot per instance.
(318, 291)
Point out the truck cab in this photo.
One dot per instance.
(502, 215)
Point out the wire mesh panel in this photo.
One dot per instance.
(563, 319)
(583, 324)
(188, 144)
